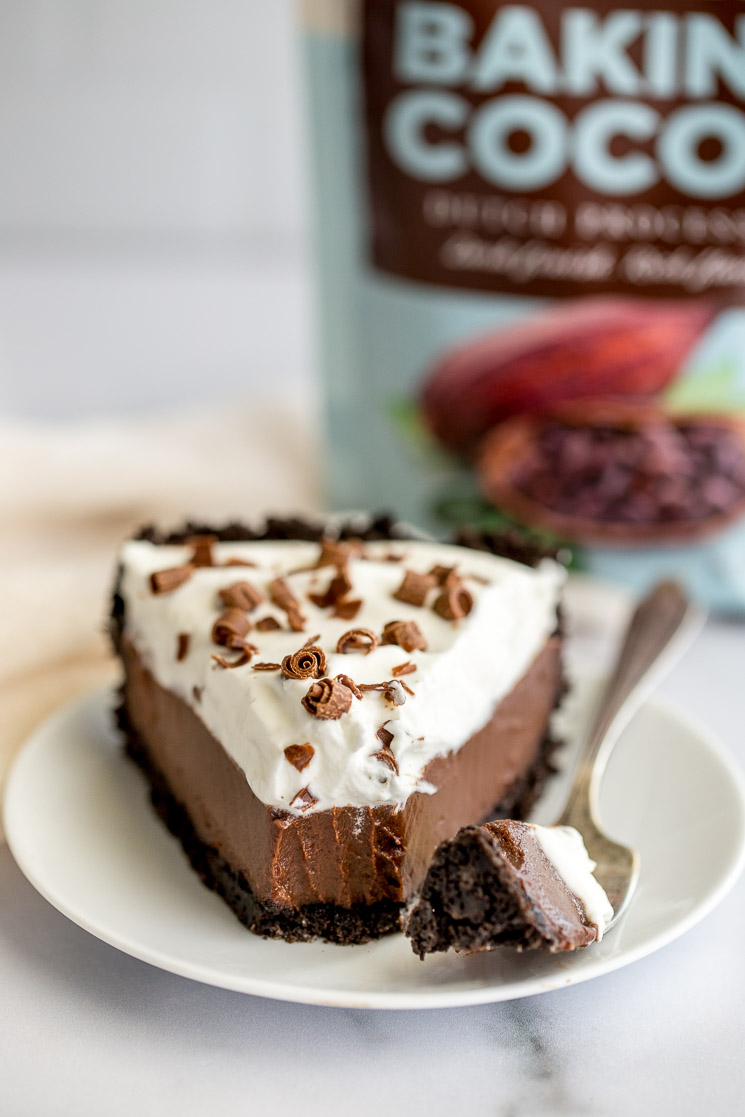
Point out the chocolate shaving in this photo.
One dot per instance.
(166, 581)
(197, 692)
(266, 666)
(385, 756)
(285, 599)
(454, 603)
(336, 553)
(230, 628)
(312, 640)
(241, 661)
(384, 736)
(442, 574)
(308, 663)
(414, 588)
(267, 624)
(357, 640)
(407, 668)
(300, 756)
(393, 690)
(347, 682)
(202, 549)
(347, 610)
(238, 562)
(328, 699)
(182, 645)
(241, 595)
(303, 801)
(337, 590)
(407, 634)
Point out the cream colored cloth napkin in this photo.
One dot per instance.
(70, 493)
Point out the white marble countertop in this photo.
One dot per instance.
(85, 1030)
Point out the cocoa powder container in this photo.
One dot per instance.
(531, 230)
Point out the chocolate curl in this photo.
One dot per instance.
(443, 574)
(285, 599)
(182, 645)
(266, 666)
(328, 699)
(308, 663)
(454, 603)
(304, 800)
(299, 756)
(244, 658)
(337, 590)
(357, 640)
(415, 588)
(241, 595)
(166, 581)
(393, 690)
(347, 610)
(230, 628)
(407, 668)
(337, 553)
(202, 549)
(350, 683)
(267, 624)
(407, 634)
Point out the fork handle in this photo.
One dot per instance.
(660, 630)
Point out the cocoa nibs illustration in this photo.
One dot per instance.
(407, 668)
(328, 699)
(266, 666)
(183, 640)
(415, 588)
(241, 595)
(285, 599)
(407, 634)
(230, 628)
(357, 640)
(303, 801)
(308, 663)
(267, 624)
(299, 756)
(618, 473)
(202, 554)
(166, 581)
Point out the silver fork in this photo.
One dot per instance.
(662, 627)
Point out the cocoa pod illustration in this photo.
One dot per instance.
(588, 348)
(617, 474)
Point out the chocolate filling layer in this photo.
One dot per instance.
(342, 873)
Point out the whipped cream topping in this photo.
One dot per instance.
(468, 667)
(565, 849)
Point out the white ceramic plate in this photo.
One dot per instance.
(79, 825)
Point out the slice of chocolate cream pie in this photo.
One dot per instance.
(315, 715)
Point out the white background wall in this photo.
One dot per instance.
(152, 202)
